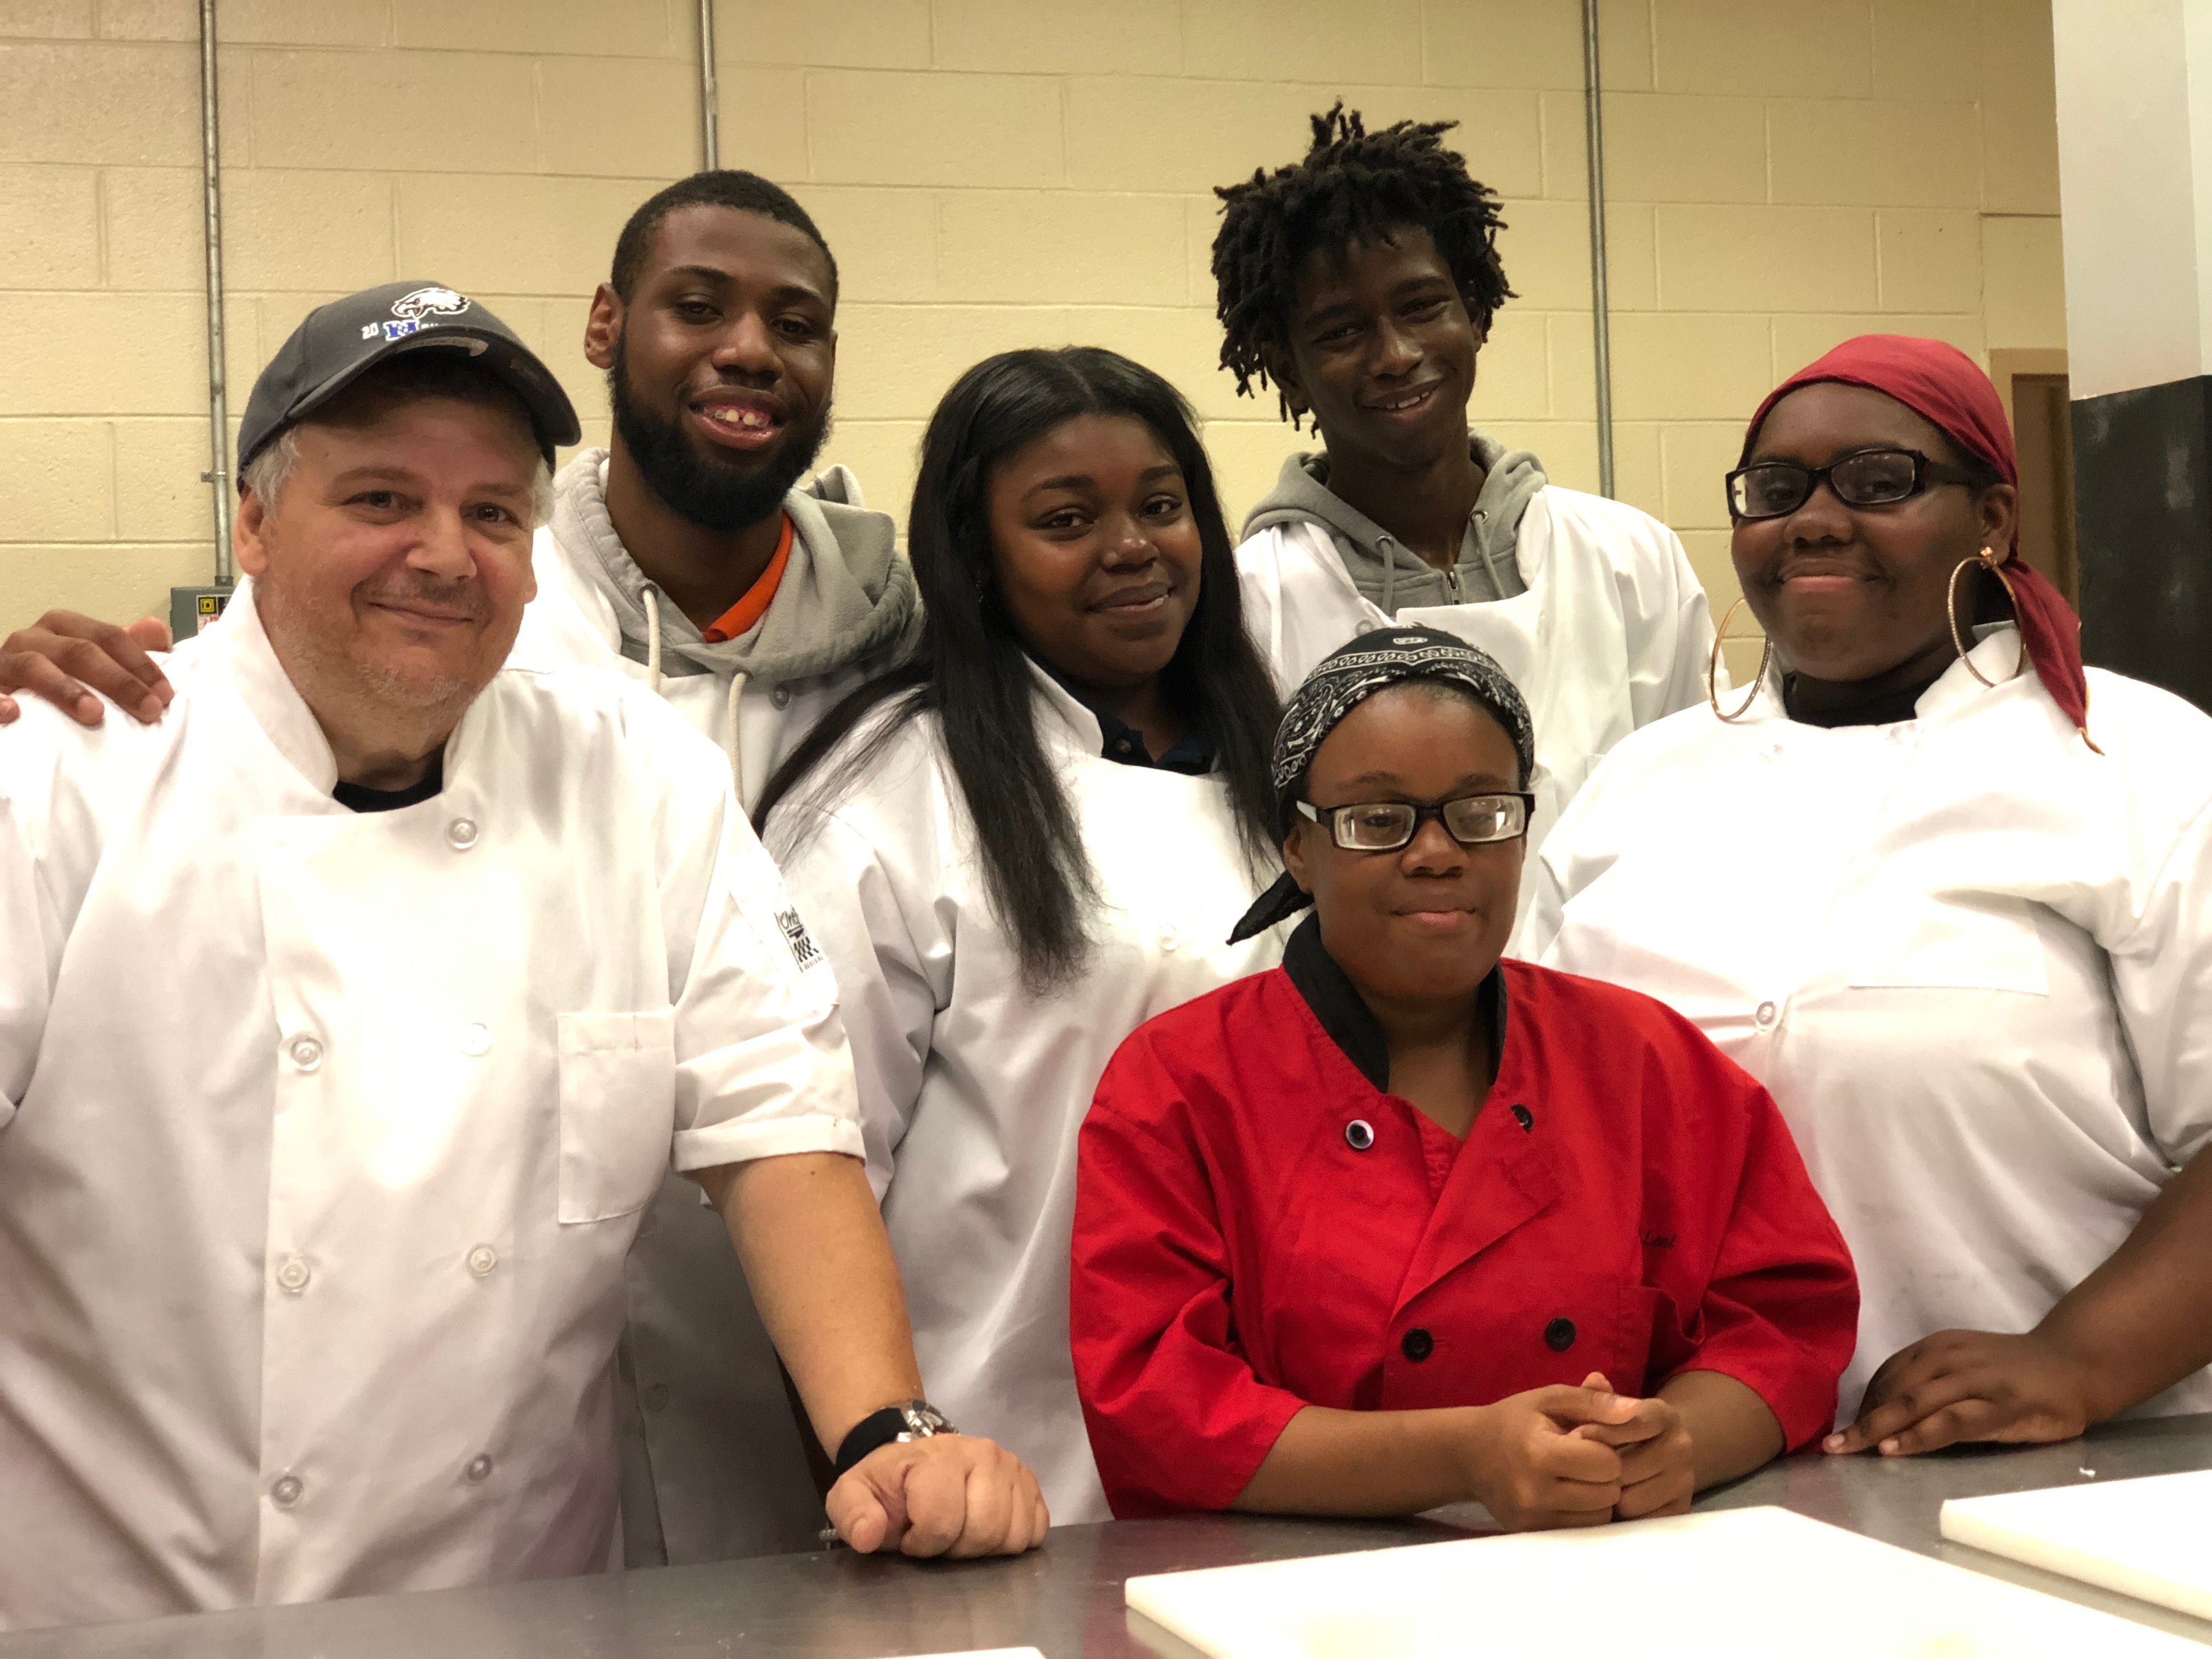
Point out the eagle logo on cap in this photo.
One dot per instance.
(429, 302)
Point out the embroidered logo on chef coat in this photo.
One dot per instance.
(803, 950)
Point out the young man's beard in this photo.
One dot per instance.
(711, 497)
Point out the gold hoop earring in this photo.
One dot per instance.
(1713, 670)
(1986, 559)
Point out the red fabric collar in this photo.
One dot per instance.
(1942, 383)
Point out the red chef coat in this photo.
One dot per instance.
(1260, 1227)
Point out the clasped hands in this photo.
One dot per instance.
(1564, 1457)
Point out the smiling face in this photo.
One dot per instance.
(1382, 351)
(1851, 595)
(391, 569)
(1097, 552)
(720, 365)
(1424, 924)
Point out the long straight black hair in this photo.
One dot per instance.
(972, 668)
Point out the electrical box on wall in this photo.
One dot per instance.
(191, 609)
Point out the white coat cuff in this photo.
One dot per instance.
(741, 1142)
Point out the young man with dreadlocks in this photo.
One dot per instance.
(1362, 284)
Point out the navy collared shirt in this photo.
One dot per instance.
(1194, 754)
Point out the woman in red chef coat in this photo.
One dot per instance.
(1384, 1228)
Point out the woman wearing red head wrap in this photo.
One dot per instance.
(1967, 948)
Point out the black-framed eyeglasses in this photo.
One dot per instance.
(1384, 826)
(1868, 477)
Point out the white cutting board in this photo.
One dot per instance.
(1732, 1584)
(2151, 1538)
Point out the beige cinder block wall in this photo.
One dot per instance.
(991, 172)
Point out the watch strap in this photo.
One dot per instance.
(910, 1419)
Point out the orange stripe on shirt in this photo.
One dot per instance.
(742, 617)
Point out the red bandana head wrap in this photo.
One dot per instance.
(1941, 384)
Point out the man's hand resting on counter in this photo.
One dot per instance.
(950, 1494)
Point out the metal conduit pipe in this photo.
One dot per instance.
(710, 142)
(1601, 306)
(218, 474)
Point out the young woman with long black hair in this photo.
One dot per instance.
(1026, 842)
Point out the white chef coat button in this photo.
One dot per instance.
(1771, 751)
(482, 1259)
(461, 835)
(286, 1493)
(1900, 735)
(476, 1040)
(479, 1469)
(293, 1274)
(780, 696)
(1171, 937)
(307, 1053)
(1765, 1015)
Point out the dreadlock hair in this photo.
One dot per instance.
(742, 193)
(1353, 186)
(972, 668)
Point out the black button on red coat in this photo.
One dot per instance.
(1417, 1345)
(1559, 1336)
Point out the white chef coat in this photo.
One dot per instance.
(972, 1086)
(325, 1132)
(1612, 633)
(1971, 959)
(714, 1466)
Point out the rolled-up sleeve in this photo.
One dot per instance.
(1177, 1420)
(761, 1065)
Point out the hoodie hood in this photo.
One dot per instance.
(1380, 564)
(847, 600)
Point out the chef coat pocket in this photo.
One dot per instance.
(1989, 944)
(617, 1111)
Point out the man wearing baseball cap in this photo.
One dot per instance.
(312, 1240)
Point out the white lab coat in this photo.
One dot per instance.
(973, 1086)
(1612, 634)
(326, 1133)
(1971, 959)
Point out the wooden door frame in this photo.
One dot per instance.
(2032, 359)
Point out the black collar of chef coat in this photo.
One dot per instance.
(1351, 1024)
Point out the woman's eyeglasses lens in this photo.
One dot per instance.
(1875, 478)
(1471, 820)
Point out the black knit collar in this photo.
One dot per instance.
(1344, 1015)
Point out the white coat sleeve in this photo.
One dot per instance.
(761, 1068)
(2162, 982)
(1670, 627)
(883, 943)
(29, 958)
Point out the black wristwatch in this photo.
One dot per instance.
(910, 1419)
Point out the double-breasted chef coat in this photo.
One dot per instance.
(1260, 1227)
(327, 1133)
(972, 1083)
(1612, 633)
(1971, 957)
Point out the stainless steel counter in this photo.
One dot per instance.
(1065, 1599)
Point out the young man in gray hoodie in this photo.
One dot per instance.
(686, 556)
(1362, 282)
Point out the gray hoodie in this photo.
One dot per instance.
(1391, 574)
(847, 602)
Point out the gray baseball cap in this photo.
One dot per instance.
(340, 342)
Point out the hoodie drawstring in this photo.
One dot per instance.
(1489, 556)
(730, 745)
(652, 638)
(730, 733)
(1389, 551)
